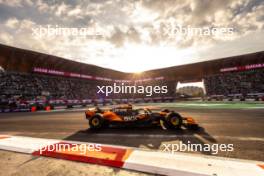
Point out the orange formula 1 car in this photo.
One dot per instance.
(125, 115)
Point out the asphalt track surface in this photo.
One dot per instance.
(244, 128)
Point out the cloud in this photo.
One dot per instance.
(6, 38)
(119, 37)
(131, 26)
(16, 3)
(12, 23)
(133, 35)
(12, 3)
(76, 12)
(61, 9)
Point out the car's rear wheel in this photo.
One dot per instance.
(96, 122)
(173, 121)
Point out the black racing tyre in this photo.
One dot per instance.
(96, 122)
(173, 121)
(105, 124)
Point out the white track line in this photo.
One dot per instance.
(173, 136)
(178, 136)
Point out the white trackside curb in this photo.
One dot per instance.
(139, 160)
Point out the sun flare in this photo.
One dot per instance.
(138, 58)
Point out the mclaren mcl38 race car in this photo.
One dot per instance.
(126, 115)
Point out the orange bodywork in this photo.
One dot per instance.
(112, 116)
(163, 113)
(190, 120)
(108, 115)
(90, 113)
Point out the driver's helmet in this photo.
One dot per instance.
(129, 106)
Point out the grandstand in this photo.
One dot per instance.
(29, 77)
(241, 83)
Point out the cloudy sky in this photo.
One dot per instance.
(134, 35)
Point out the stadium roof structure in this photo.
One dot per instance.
(197, 71)
(21, 60)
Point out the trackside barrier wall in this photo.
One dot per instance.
(56, 107)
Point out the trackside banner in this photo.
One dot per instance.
(242, 68)
(83, 76)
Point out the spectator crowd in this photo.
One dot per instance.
(21, 88)
(28, 87)
(244, 83)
